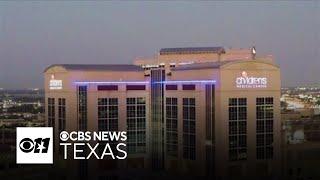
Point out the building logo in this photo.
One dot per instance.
(246, 81)
(55, 84)
(34, 145)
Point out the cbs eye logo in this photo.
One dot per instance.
(34, 145)
(39, 145)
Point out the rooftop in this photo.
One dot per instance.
(196, 66)
(218, 64)
(99, 67)
(192, 50)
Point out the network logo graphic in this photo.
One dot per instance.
(34, 145)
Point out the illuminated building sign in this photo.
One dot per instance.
(250, 82)
(55, 84)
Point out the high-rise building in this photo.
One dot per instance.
(200, 111)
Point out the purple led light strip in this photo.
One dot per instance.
(188, 81)
(111, 82)
(144, 82)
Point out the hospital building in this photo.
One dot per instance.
(202, 111)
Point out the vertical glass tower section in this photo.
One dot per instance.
(82, 108)
(82, 125)
(210, 128)
(157, 118)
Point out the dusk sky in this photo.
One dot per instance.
(34, 35)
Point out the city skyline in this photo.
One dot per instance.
(34, 35)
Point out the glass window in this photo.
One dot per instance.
(108, 114)
(189, 128)
(233, 101)
(237, 128)
(62, 114)
(136, 125)
(264, 130)
(172, 126)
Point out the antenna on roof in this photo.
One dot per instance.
(253, 52)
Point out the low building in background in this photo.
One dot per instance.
(301, 147)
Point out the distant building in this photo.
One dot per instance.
(301, 147)
(198, 111)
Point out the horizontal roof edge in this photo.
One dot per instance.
(187, 50)
(97, 67)
(216, 65)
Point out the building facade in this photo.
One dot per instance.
(200, 111)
